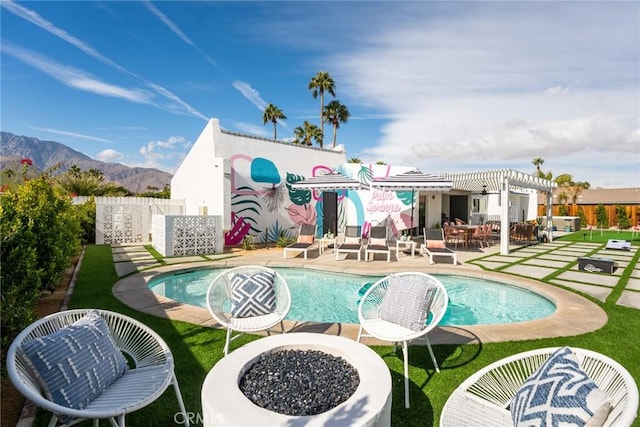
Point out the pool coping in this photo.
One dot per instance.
(574, 315)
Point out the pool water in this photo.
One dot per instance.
(319, 296)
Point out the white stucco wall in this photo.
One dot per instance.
(239, 176)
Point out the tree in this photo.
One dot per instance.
(380, 162)
(305, 133)
(354, 160)
(537, 162)
(77, 182)
(273, 114)
(336, 113)
(319, 84)
(570, 189)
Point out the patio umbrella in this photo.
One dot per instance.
(331, 182)
(412, 180)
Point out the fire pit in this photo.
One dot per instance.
(361, 397)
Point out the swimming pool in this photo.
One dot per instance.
(319, 296)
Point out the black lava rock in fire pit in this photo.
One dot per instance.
(299, 382)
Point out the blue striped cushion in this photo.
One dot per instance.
(560, 393)
(252, 295)
(76, 363)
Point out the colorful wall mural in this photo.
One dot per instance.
(264, 204)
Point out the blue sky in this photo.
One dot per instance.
(444, 86)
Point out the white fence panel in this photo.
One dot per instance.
(127, 220)
(187, 235)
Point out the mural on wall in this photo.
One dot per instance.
(261, 202)
(248, 204)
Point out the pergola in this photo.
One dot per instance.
(503, 181)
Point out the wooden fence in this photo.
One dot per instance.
(632, 212)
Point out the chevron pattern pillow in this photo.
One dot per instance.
(407, 302)
(560, 393)
(253, 294)
(76, 363)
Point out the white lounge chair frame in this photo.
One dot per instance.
(372, 326)
(436, 234)
(351, 231)
(137, 388)
(483, 398)
(305, 230)
(377, 232)
(219, 304)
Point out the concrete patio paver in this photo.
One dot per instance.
(629, 299)
(586, 277)
(599, 292)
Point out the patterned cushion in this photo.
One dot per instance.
(378, 242)
(252, 295)
(407, 302)
(351, 240)
(308, 239)
(76, 363)
(560, 393)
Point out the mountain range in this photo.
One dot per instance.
(46, 154)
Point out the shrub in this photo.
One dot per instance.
(622, 218)
(40, 236)
(602, 218)
(86, 214)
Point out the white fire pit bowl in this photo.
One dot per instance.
(223, 403)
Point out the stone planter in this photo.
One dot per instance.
(223, 403)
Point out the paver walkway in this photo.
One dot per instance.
(557, 263)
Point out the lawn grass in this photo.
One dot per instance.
(599, 236)
(196, 349)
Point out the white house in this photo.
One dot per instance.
(247, 181)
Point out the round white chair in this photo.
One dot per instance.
(220, 303)
(152, 371)
(484, 397)
(374, 323)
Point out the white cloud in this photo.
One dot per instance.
(109, 155)
(81, 82)
(73, 134)
(251, 94)
(75, 78)
(159, 154)
(500, 84)
(265, 131)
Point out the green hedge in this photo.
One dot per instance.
(40, 231)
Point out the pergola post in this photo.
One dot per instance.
(550, 214)
(504, 216)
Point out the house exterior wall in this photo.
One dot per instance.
(244, 179)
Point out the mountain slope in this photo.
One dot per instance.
(46, 154)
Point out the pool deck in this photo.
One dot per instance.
(575, 314)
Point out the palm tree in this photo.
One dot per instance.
(305, 133)
(319, 84)
(336, 113)
(354, 160)
(273, 114)
(537, 162)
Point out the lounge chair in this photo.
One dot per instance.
(377, 243)
(306, 239)
(249, 298)
(352, 242)
(402, 307)
(435, 245)
(91, 345)
(486, 397)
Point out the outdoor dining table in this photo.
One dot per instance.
(468, 230)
